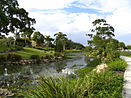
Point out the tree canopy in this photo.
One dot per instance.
(60, 41)
(102, 43)
(14, 19)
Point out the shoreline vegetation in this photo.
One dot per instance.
(106, 84)
(33, 56)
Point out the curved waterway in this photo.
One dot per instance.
(64, 67)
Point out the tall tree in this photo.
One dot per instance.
(48, 41)
(103, 45)
(38, 37)
(60, 41)
(14, 19)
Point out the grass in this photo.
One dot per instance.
(27, 52)
(86, 70)
(126, 53)
(106, 84)
(117, 65)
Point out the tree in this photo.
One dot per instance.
(122, 45)
(38, 37)
(48, 41)
(103, 45)
(128, 46)
(14, 19)
(60, 41)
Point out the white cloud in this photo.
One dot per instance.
(45, 4)
(54, 19)
(63, 21)
(121, 20)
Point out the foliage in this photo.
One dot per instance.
(55, 88)
(6, 45)
(35, 57)
(122, 46)
(48, 41)
(2, 58)
(27, 52)
(102, 85)
(60, 41)
(88, 49)
(38, 37)
(23, 42)
(13, 57)
(14, 18)
(125, 53)
(73, 45)
(103, 46)
(128, 46)
(117, 65)
(59, 46)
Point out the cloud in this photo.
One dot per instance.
(45, 4)
(104, 5)
(121, 20)
(63, 21)
(51, 17)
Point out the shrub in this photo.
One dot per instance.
(117, 65)
(13, 57)
(48, 56)
(125, 53)
(35, 57)
(102, 85)
(2, 58)
(57, 54)
(18, 48)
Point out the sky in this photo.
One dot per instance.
(74, 17)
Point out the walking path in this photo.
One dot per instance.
(127, 78)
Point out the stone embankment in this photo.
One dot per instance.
(33, 61)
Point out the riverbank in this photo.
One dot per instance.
(106, 84)
(19, 76)
(33, 56)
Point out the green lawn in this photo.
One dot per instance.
(27, 52)
(126, 53)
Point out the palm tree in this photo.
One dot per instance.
(60, 41)
(48, 41)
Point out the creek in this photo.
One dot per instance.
(13, 74)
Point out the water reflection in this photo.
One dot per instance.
(65, 67)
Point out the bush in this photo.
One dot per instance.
(35, 57)
(48, 56)
(125, 53)
(117, 65)
(2, 58)
(57, 54)
(18, 48)
(102, 85)
(13, 57)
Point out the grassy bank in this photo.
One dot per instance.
(126, 53)
(27, 52)
(106, 84)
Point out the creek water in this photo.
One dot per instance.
(13, 74)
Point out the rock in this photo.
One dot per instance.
(100, 68)
(5, 92)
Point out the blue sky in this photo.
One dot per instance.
(74, 17)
